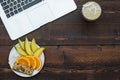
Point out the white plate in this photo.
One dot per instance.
(12, 58)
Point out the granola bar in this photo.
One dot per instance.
(22, 68)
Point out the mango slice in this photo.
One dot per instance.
(21, 44)
(27, 47)
(34, 45)
(39, 51)
(21, 51)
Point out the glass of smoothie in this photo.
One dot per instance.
(91, 11)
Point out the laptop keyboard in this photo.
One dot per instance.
(12, 7)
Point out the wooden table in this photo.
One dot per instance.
(75, 49)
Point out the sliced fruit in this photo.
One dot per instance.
(21, 44)
(21, 51)
(27, 47)
(34, 45)
(39, 51)
(38, 62)
(23, 60)
(32, 61)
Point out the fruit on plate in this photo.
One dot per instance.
(21, 44)
(29, 63)
(27, 47)
(32, 61)
(29, 60)
(34, 45)
(38, 63)
(39, 51)
(21, 51)
(23, 60)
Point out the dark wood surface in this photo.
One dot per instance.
(75, 48)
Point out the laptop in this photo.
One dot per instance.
(23, 16)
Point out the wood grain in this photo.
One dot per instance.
(75, 48)
(75, 57)
(77, 34)
(71, 62)
(64, 74)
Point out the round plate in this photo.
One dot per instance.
(12, 58)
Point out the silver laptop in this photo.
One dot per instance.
(23, 16)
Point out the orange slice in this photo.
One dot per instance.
(38, 62)
(23, 60)
(32, 61)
